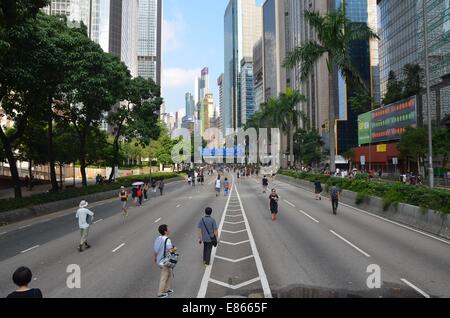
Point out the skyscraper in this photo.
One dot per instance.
(190, 104)
(149, 39)
(221, 101)
(130, 35)
(258, 74)
(247, 90)
(243, 26)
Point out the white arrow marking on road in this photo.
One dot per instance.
(417, 289)
(158, 220)
(98, 221)
(31, 248)
(234, 232)
(309, 216)
(351, 244)
(292, 205)
(234, 244)
(118, 247)
(234, 286)
(234, 260)
(234, 223)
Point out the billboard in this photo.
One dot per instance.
(387, 123)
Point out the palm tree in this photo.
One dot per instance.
(334, 34)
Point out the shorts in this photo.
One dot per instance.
(124, 204)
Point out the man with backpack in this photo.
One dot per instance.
(334, 195)
(163, 248)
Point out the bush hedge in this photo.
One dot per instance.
(69, 193)
(392, 193)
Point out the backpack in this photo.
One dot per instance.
(334, 194)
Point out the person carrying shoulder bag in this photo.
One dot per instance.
(207, 234)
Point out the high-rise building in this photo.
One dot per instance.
(204, 83)
(190, 104)
(149, 39)
(358, 12)
(207, 112)
(247, 90)
(130, 35)
(243, 27)
(221, 103)
(402, 42)
(258, 74)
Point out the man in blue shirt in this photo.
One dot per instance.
(207, 229)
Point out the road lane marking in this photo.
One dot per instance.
(254, 280)
(98, 221)
(207, 275)
(3, 233)
(351, 244)
(229, 210)
(306, 214)
(25, 226)
(234, 216)
(259, 265)
(234, 232)
(190, 198)
(179, 205)
(234, 260)
(118, 247)
(234, 223)
(235, 244)
(292, 205)
(158, 220)
(417, 289)
(31, 248)
(398, 224)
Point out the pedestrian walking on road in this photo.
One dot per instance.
(161, 186)
(153, 183)
(218, 185)
(189, 180)
(85, 218)
(140, 195)
(318, 189)
(226, 187)
(334, 194)
(162, 247)
(265, 184)
(207, 234)
(22, 278)
(146, 188)
(134, 195)
(123, 195)
(273, 204)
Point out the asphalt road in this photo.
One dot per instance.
(306, 246)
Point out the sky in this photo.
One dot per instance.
(192, 39)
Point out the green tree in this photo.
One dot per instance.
(361, 102)
(414, 144)
(95, 82)
(441, 144)
(335, 32)
(350, 156)
(308, 146)
(394, 91)
(414, 77)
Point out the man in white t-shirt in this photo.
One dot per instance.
(218, 185)
(85, 218)
(162, 247)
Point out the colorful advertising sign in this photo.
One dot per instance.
(387, 123)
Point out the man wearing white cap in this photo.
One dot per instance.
(85, 218)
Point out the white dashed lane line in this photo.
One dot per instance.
(178, 206)
(25, 226)
(118, 247)
(158, 220)
(417, 289)
(291, 204)
(351, 244)
(98, 221)
(306, 214)
(29, 249)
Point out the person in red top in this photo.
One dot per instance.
(140, 194)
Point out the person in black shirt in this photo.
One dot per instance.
(22, 277)
(273, 204)
(265, 184)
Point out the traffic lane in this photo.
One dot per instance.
(296, 251)
(133, 273)
(18, 240)
(401, 252)
(63, 251)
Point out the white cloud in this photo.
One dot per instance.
(173, 33)
(173, 78)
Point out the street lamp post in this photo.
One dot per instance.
(427, 71)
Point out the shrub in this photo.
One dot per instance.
(38, 199)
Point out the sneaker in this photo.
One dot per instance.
(87, 245)
(80, 248)
(170, 291)
(163, 295)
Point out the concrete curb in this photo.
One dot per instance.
(18, 215)
(426, 220)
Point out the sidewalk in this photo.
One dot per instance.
(9, 193)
